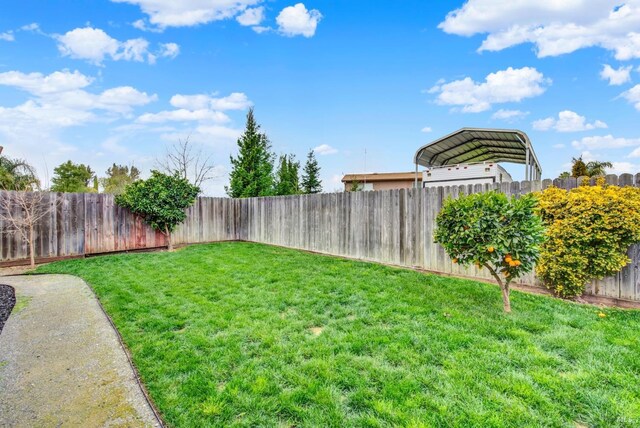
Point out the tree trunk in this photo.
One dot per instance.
(505, 298)
(167, 233)
(32, 255)
(504, 287)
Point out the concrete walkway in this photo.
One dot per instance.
(61, 363)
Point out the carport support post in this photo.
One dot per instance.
(527, 165)
(415, 185)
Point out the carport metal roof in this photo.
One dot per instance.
(469, 145)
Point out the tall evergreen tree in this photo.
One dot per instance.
(252, 170)
(311, 182)
(286, 180)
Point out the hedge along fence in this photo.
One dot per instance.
(391, 226)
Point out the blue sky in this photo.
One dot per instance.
(116, 81)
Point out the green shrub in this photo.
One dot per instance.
(160, 200)
(491, 230)
(589, 230)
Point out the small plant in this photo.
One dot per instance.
(160, 200)
(589, 230)
(493, 231)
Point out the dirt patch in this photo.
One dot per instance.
(7, 302)
(316, 331)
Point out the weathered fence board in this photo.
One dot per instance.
(391, 226)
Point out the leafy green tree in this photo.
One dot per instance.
(579, 168)
(161, 201)
(118, 177)
(252, 170)
(72, 178)
(287, 181)
(17, 174)
(311, 182)
(564, 174)
(493, 231)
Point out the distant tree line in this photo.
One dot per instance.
(580, 168)
(255, 171)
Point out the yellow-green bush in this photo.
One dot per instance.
(589, 230)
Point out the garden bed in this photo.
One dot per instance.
(7, 302)
(252, 335)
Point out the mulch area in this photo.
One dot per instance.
(7, 302)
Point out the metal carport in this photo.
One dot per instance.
(469, 145)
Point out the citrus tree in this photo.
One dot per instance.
(589, 230)
(493, 231)
(161, 201)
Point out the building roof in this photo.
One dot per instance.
(469, 145)
(380, 176)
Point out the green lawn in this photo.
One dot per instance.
(239, 334)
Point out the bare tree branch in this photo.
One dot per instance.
(20, 213)
(188, 161)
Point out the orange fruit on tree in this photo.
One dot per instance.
(491, 249)
(517, 262)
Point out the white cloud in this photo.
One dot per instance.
(31, 27)
(200, 108)
(234, 101)
(298, 21)
(605, 142)
(7, 36)
(616, 76)
(567, 121)
(633, 96)
(554, 27)
(95, 45)
(259, 29)
(133, 50)
(142, 25)
(88, 43)
(184, 115)
(251, 16)
(60, 98)
(122, 99)
(169, 50)
(509, 114)
(623, 168)
(426, 129)
(39, 84)
(325, 149)
(544, 124)
(185, 13)
(510, 85)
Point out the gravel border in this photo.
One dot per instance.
(7, 302)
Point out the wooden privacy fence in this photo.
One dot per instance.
(391, 226)
(80, 224)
